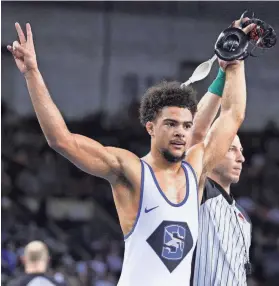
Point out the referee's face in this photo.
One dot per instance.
(229, 169)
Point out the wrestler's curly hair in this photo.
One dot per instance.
(166, 94)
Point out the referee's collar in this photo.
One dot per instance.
(229, 198)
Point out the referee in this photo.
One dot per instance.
(36, 258)
(222, 252)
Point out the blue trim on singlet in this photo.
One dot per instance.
(162, 193)
(140, 201)
(196, 180)
(193, 171)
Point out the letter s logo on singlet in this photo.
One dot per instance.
(174, 237)
(171, 241)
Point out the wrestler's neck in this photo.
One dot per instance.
(158, 161)
(225, 184)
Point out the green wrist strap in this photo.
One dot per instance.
(218, 84)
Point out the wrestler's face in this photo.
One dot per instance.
(171, 132)
(229, 169)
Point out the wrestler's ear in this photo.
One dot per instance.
(150, 128)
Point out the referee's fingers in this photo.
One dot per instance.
(249, 28)
(238, 23)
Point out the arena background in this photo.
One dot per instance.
(97, 59)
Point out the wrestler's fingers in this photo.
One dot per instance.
(20, 33)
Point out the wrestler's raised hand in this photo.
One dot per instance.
(24, 51)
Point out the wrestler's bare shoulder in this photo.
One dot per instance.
(130, 165)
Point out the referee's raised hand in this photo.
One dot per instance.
(23, 50)
(237, 24)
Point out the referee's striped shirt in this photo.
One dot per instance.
(221, 252)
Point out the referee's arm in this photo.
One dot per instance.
(225, 127)
(207, 110)
(204, 156)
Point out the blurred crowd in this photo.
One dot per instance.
(84, 253)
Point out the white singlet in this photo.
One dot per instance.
(159, 248)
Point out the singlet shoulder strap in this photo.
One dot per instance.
(192, 171)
